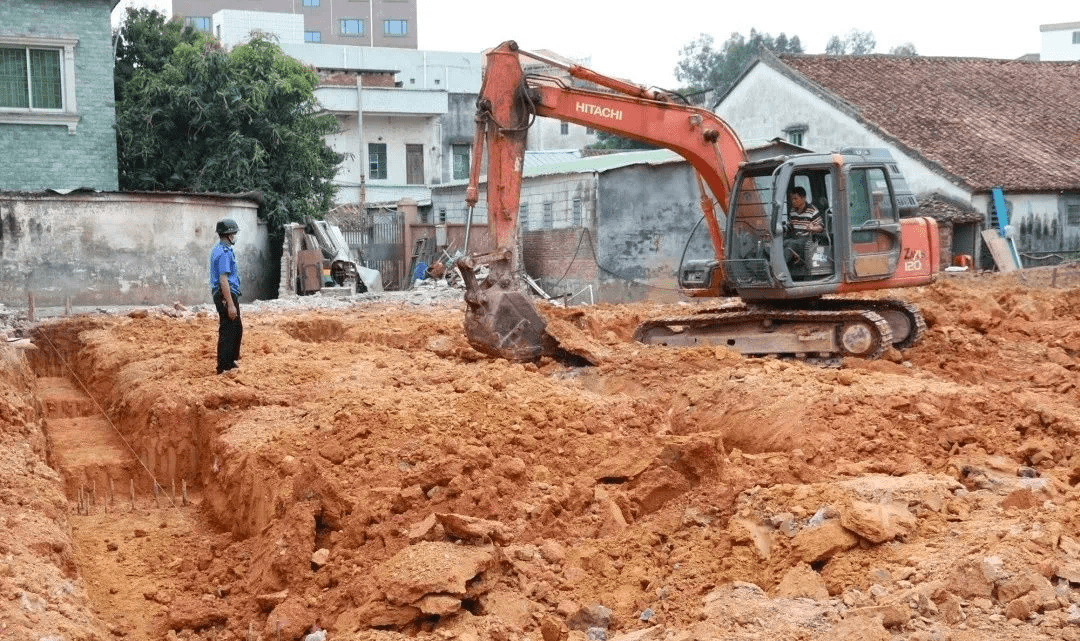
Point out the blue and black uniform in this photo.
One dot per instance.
(230, 330)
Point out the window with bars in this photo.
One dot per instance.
(31, 78)
(523, 216)
(461, 161)
(576, 212)
(549, 216)
(564, 128)
(1072, 213)
(377, 160)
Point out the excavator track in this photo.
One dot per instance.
(813, 335)
(905, 320)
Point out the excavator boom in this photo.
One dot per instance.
(500, 320)
(784, 278)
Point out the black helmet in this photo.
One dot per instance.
(227, 226)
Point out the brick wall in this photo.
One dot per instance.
(36, 157)
(561, 260)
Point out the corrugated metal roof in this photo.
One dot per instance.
(540, 158)
(591, 164)
(607, 162)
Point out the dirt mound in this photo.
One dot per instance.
(366, 472)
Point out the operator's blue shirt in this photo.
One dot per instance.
(223, 261)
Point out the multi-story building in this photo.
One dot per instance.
(371, 23)
(57, 121)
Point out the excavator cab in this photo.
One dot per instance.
(856, 195)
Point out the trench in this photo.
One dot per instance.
(136, 487)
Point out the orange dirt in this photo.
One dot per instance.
(368, 473)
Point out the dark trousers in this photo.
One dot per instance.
(230, 331)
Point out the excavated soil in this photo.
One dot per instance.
(365, 474)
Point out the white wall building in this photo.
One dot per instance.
(1060, 41)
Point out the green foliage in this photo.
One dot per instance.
(146, 41)
(611, 141)
(193, 117)
(906, 49)
(855, 43)
(703, 67)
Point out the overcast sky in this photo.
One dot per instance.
(640, 41)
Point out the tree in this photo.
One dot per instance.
(605, 140)
(855, 43)
(198, 118)
(906, 49)
(145, 41)
(704, 67)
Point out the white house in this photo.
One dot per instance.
(1060, 41)
(958, 128)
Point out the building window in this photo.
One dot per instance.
(30, 78)
(1076, 37)
(37, 81)
(795, 134)
(1072, 213)
(577, 212)
(311, 3)
(523, 216)
(442, 214)
(549, 216)
(198, 23)
(564, 128)
(461, 161)
(589, 131)
(376, 160)
(312, 36)
(351, 26)
(395, 27)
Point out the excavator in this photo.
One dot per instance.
(782, 287)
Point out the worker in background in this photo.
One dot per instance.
(225, 288)
(804, 220)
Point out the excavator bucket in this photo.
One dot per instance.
(501, 321)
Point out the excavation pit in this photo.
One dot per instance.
(355, 449)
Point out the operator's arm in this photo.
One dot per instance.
(226, 293)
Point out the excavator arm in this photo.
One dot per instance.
(499, 319)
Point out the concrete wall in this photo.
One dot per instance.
(124, 249)
(645, 216)
(1041, 220)
(81, 153)
(546, 134)
(233, 27)
(635, 223)
(1057, 41)
(458, 126)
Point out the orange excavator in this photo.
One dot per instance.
(868, 238)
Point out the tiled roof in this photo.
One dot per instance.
(947, 210)
(1008, 123)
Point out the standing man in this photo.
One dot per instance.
(225, 288)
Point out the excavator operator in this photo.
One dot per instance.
(804, 220)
